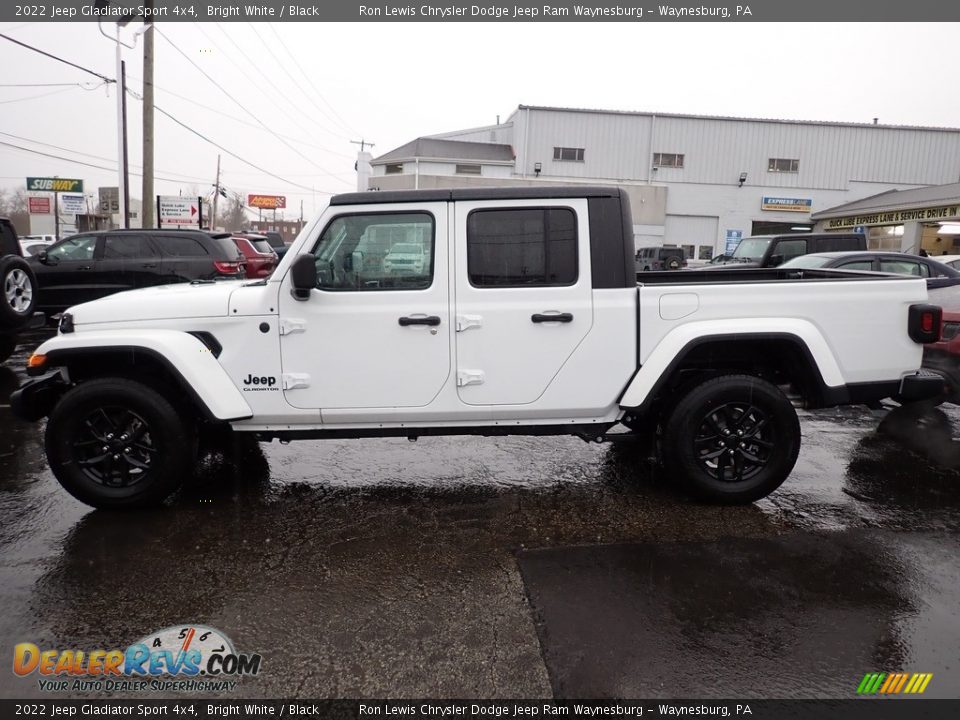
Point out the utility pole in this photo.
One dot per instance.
(121, 136)
(362, 143)
(126, 173)
(148, 192)
(216, 194)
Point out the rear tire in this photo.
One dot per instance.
(115, 443)
(18, 292)
(732, 439)
(673, 262)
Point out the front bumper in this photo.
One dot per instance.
(36, 398)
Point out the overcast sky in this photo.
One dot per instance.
(389, 83)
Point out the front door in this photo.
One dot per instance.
(375, 333)
(523, 296)
(67, 276)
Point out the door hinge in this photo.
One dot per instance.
(288, 326)
(465, 322)
(292, 381)
(470, 377)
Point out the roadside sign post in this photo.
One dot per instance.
(55, 185)
(179, 212)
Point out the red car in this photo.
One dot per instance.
(261, 259)
(943, 356)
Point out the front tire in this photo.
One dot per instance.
(115, 443)
(732, 439)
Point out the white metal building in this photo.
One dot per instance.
(697, 181)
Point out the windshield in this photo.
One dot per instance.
(806, 261)
(405, 249)
(751, 249)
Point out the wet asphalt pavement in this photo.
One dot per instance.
(508, 567)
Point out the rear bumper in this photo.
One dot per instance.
(925, 385)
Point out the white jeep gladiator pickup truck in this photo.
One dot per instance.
(525, 318)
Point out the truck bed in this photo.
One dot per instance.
(759, 275)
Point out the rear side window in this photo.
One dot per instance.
(127, 247)
(790, 249)
(8, 240)
(904, 267)
(838, 244)
(858, 265)
(262, 246)
(522, 247)
(181, 246)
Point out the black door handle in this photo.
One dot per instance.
(558, 317)
(429, 320)
(85, 267)
(149, 265)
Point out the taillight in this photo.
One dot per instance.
(227, 268)
(923, 323)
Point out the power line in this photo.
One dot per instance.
(221, 113)
(290, 76)
(343, 123)
(80, 85)
(79, 162)
(95, 157)
(270, 83)
(58, 59)
(35, 97)
(233, 154)
(218, 85)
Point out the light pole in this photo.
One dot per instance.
(122, 182)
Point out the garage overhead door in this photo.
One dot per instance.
(690, 230)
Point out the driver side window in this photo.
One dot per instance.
(74, 249)
(376, 251)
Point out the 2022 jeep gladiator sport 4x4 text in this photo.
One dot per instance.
(524, 318)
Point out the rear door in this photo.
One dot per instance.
(523, 296)
(184, 258)
(128, 261)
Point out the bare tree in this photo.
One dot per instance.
(231, 213)
(14, 206)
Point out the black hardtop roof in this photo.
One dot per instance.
(485, 193)
(832, 234)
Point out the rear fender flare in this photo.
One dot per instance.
(668, 355)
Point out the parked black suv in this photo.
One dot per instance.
(17, 290)
(774, 250)
(91, 265)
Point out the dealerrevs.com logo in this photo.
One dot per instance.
(189, 658)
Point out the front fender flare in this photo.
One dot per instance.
(185, 356)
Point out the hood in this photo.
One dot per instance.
(164, 302)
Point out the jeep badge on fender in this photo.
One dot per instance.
(260, 383)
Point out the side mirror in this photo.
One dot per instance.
(303, 276)
(46, 259)
(776, 260)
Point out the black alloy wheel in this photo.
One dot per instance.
(732, 439)
(117, 443)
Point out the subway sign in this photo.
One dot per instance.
(896, 217)
(44, 184)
